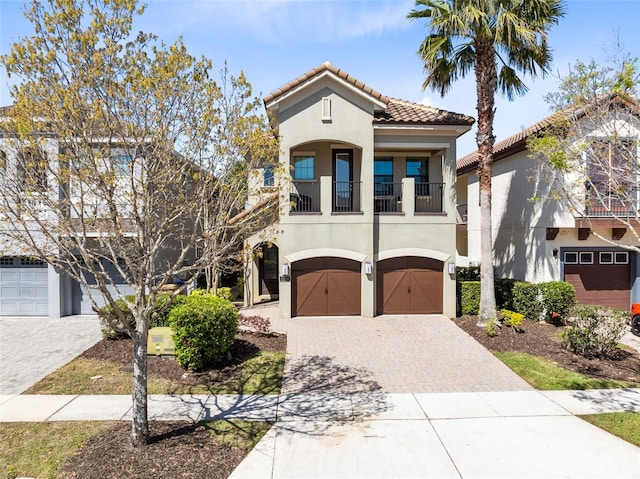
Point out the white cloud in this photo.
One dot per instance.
(278, 22)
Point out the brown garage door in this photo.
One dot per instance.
(602, 278)
(409, 285)
(325, 287)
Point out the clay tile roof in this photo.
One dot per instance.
(326, 66)
(404, 112)
(518, 142)
(396, 111)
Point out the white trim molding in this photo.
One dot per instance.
(420, 252)
(322, 252)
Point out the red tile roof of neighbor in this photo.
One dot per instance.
(396, 111)
(518, 142)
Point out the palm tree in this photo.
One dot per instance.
(496, 39)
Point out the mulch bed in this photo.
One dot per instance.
(246, 346)
(541, 339)
(177, 449)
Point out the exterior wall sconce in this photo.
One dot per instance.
(285, 270)
(452, 268)
(368, 268)
(555, 253)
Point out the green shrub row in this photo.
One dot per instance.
(550, 301)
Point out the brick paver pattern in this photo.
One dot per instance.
(390, 354)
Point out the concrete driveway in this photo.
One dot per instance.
(33, 347)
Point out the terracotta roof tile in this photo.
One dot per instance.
(518, 142)
(404, 112)
(396, 111)
(326, 66)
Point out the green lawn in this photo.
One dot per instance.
(546, 375)
(260, 375)
(625, 425)
(39, 449)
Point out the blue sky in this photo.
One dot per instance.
(275, 41)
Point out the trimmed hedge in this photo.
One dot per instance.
(550, 301)
(527, 300)
(558, 298)
(204, 328)
(470, 297)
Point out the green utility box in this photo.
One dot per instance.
(160, 342)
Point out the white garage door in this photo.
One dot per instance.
(24, 287)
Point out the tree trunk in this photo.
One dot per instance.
(140, 423)
(486, 81)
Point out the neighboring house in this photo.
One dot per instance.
(367, 220)
(28, 286)
(538, 236)
(82, 192)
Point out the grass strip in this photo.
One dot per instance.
(625, 425)
(546, 375)
(38, 449)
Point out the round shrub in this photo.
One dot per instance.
(160, 317)
(594, 331)
(204, 328)
(113, 327)
(558, 298)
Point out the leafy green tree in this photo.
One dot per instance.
(495, 39)
(121, 153)
(588, 152)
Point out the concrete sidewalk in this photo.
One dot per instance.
(377, 435)
(321, 407)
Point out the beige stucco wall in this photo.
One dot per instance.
(363, 236)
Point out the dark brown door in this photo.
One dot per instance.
(326, 287)
(601, 284)
(409, 285)
(268, 270)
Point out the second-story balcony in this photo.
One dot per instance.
(345, 197)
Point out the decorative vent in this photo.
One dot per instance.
(326, 108)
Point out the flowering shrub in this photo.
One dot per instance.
(255, 323)
(594, 330)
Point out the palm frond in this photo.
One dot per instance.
(510, 84)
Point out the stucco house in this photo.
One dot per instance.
(367, 219)
(578, 236)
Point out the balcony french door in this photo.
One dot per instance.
(342, 180)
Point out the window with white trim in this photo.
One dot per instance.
(586, 257)
(622, 257)
(571, 257)
(606, 257)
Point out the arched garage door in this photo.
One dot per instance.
(325, 286)
(409, 285)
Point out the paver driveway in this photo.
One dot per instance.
(393, 354)
(31, 348)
